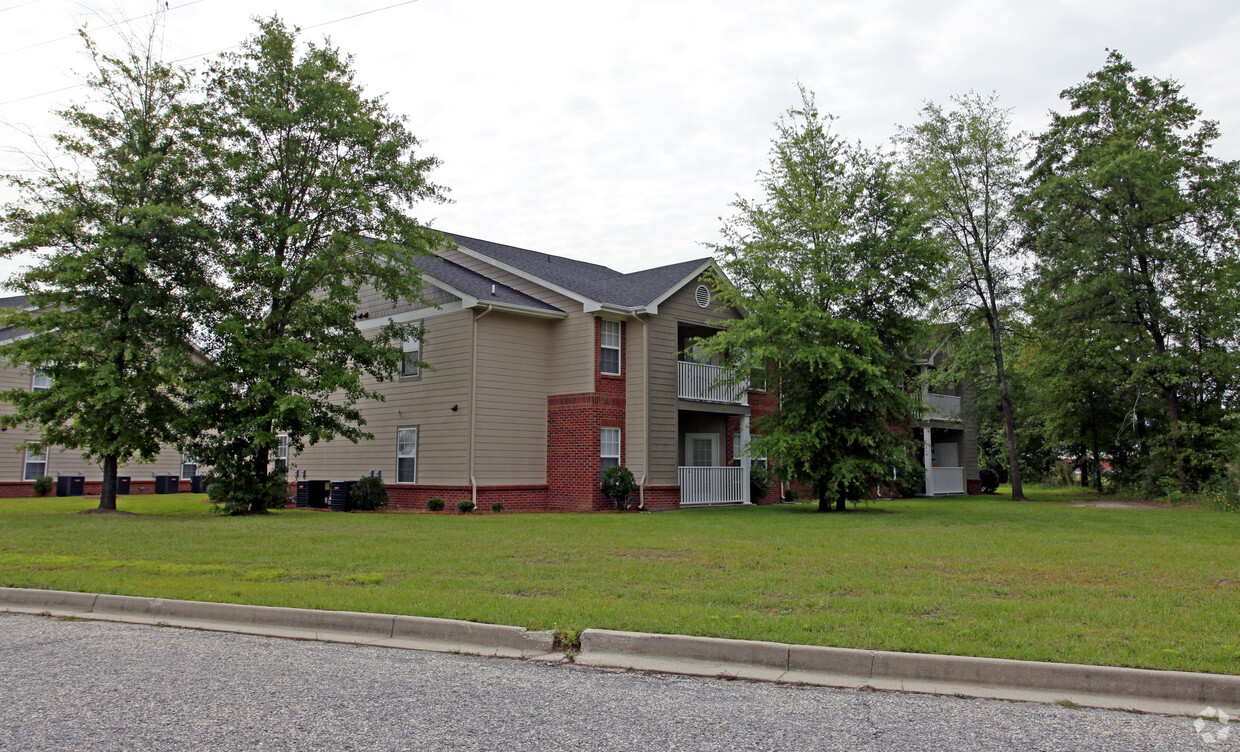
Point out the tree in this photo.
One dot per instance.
(833, 271)
(963, 168)
(314, 183)
(1134, 226)
(118, 270)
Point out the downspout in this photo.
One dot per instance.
(641, 487)
(473, 403)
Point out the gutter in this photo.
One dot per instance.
(473, 404)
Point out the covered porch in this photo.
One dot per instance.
(711, 468)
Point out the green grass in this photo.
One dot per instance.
(1154, 588)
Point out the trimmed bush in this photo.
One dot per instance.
(497, 507)
(990, 480)
(465, 505)
(618, 484)
(759, 482)
(42, 485)
(369, 493)
(434, 504)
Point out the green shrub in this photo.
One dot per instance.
(497, 507)
(369, 493)
(618, 484)
(990, 480)
(434, 504)
(759, 482)
(465, 505)
(42, 485)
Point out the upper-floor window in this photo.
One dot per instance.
(36, 463)
(609, 347)
(409, 362)
(40, 381)
(282, 452)
(407, 455)
(609, 447)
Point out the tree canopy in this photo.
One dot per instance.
(833, 270)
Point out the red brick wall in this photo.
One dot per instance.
(662, 498)
(408, 496)
(18, 489)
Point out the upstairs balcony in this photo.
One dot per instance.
(945, 407)
(703, 382)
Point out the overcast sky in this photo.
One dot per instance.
(618, 132)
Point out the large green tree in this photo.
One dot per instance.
(833, 270)
(1134, 225)
(315, 185)
(113, 222)
(963, 169)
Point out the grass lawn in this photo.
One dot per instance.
(1154, 588)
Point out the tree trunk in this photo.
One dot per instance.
(823, 504)
(839, 503)
(260, 502)
(107, 494)
(1009, 415)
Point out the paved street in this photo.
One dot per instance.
(77, 685)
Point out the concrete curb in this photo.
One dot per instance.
(1171, 692)
(388, 630)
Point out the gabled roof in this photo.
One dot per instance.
(13, 301)
(459, 280)
(588, 283)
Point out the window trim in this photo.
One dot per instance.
(414, 371)
(619, 455)
(618, 347)
(412, 456)
(26, 465)
(188, 459)
(282, 445)
(35, 386)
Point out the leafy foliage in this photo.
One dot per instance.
(42, 485)
(1134, 225)
(990, 480)
(434, 504)
(833, 269)
(370, 493)
(313, 188)
(465, 506)
(618, 485)
(119, 267)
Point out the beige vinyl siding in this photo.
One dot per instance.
(372, 302)
(424, 402)
(636, 333)
(571, 356)
(63, 461)
(513, 383)
(680, 307)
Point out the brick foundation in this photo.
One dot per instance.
(23, 489)
(411, 497)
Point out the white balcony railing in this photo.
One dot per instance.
(705, 383)
(944, 480)
(942, 407)
(700, 486)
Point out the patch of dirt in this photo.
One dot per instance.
(109, 512)
(1117, 504)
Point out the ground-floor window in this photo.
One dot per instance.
(36, 463)
(189, 465)
(282, 452)
(609, 447)
(406, 455)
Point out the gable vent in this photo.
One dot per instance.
(702, 294)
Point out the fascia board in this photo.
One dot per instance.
(407, 316)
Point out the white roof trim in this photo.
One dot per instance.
(407, 316)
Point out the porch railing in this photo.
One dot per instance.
(700, 486)
(706, 383)
(944, 480)
(942, 407)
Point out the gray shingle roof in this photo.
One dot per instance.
(13, 301)
(478, 285)
(594, 281)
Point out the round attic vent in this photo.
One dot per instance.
(702, 294)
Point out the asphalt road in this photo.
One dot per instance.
(79, 685)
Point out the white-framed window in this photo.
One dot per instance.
(40, 381)
(409, 361)
(609, 447)
(36, 463)
(609, 347)
(740, 449)
(406, 455)
(282, 452)
(189, 465)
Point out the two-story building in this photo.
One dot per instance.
(540, 372)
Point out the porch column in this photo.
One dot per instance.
(927, 457)
(746, 462)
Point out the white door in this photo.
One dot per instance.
(702, 449)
